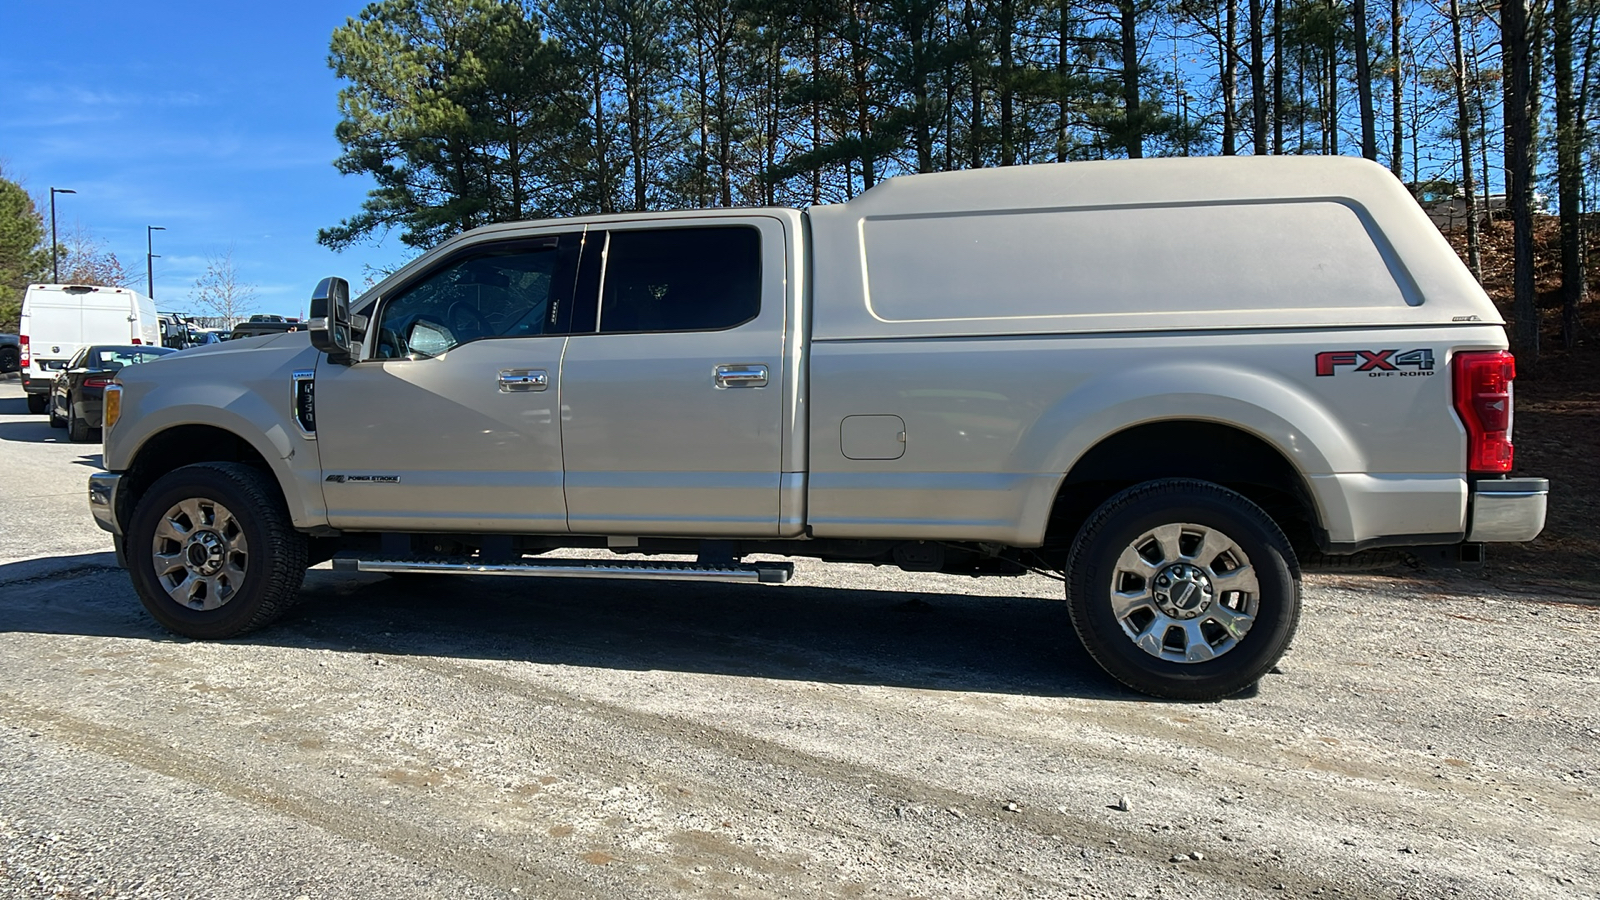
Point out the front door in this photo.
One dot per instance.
(451, 420)
(673, 402)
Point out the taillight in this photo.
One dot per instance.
(97, 381)
(136, 340)
(27, 355)
(1483, 400)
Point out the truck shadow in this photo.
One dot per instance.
(927, 641)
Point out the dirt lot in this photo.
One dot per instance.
(859, 735)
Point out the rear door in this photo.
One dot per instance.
(53, 322)
(673, 400)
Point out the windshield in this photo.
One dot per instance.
(116, 357)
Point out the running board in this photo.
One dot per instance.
(763, 573)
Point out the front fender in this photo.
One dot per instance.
(248, 395)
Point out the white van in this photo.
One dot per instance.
(57, 319)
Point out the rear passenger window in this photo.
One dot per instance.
(681, 279)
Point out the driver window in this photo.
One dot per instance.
(495, 293)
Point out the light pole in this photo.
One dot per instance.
(149, 260)
(55, 264)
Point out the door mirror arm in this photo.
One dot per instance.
(330, 320)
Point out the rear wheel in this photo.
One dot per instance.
(1183, 589)
(37, 403)
(78, 429)
(10, 359)
(212, 551)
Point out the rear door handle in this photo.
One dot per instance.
(520, 380)
(749, 376)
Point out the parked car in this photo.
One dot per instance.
(59, 319)
(76, 393)
(10, 353)
(1173, 383)
(253, 328)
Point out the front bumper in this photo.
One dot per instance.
(103, 500)
(1508, 510)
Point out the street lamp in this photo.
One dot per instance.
(149, 258)
(55, 264)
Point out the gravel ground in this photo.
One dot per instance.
(861, 732)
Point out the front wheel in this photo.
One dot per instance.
(212, 551)
(1183, 589)
(56, 421)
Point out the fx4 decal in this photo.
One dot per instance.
(1376, 363)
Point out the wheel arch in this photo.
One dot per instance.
(184, 444)
(1222, 453)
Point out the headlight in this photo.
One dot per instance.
(111, 405)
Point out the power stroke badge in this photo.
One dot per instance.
(1375, 363)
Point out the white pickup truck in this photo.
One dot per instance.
(1167, 381)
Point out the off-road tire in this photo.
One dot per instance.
(38, 403)
(277, 553)
(1112, 530)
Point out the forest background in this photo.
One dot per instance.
(468, 112)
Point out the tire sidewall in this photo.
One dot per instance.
(198, 482)
(1127, 516)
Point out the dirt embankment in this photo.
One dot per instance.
(1557, 429)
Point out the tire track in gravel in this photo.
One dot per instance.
(1238, 870)
(383, 832)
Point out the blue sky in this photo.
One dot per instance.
(214, 120)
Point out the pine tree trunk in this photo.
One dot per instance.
(1230, 77)
(1258, 79)
(1006, 26)
(1369, 122)
(1519, 159)
(1277, 76)
(1063, 60)
(975, 111)
(1396, 25)
(1569, 177)
(1464, 135)
(1129, 21)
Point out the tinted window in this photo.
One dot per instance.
(681, 279)
(116, 357)
(498, 293)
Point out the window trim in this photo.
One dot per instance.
(604, 255)
(567, 244)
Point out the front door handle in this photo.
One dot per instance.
(519, 380)
(748, 376)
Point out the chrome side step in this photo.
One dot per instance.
(763, 573)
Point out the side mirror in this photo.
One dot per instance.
(330, 319)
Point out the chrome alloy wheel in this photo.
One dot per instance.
(200, 554)
(1184, 593)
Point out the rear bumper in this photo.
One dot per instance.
(1508, 510)
(36, 385)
